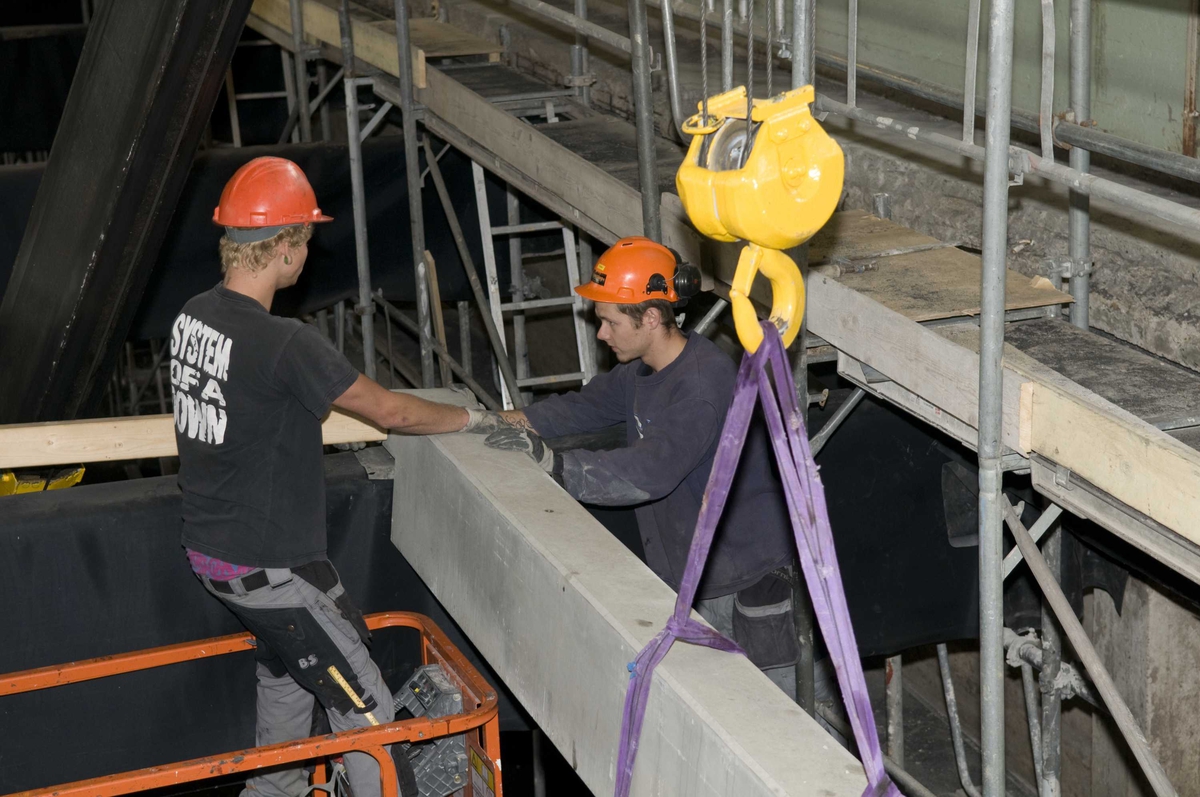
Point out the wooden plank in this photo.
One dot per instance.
(585, 189)
(924, 361)
(440, 40)
(852, 234)
(30, 445)
(559, 607)
(1119, 453)
(439, 323)
(944, 283)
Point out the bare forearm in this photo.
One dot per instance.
(413, 415)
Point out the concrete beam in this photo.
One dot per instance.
(559, 607)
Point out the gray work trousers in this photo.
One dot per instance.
(302, 632)
(719, 612)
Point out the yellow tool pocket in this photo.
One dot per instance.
(774, 183)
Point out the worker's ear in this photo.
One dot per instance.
(652, 318)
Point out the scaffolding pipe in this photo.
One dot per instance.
(365, 307)
(1079, 208)
(669, 54)
(972, 72)
(710, 317)
(1089, 657)
(819, 440)
(991, 345)
(1046, 101)
(726, 44)
(956, 734)
(580, 56)
(804, 42)
(575, 23)
(1022, 161)
(1033, 718)
(1050, 755)
(400, 318)
(1066, 133)
(412, 169)
(852, 59)
(301, 65)
(643, 105)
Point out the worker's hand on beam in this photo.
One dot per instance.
(485, 422)
(527, 440)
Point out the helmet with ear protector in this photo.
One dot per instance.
(635, 270)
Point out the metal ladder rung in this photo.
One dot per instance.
(533, 304)
(520, 229)
(555, 379)
(262, 95)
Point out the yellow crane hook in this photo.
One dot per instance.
(773, 183)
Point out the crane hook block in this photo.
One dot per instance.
(787, 291)
(778, 188)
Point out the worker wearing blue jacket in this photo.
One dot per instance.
(672, 390)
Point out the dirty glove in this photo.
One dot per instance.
(511, 438)
(349, 446)
(485, 422)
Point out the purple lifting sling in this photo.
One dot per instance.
(810, 522)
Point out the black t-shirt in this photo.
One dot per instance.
(250, 390)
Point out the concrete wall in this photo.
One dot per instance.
(1151, 649)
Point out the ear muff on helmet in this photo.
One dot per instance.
(685, 282)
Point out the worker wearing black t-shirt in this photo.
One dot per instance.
(672, 390)
(250, 390)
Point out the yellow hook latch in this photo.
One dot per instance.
(775, 188)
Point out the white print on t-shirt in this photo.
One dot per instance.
(199, 353)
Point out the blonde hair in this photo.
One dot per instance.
(254, 257)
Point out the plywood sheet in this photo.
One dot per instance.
(944, 283)
(853, 234)
(440, 40)
(925, 361)
(1147, 386)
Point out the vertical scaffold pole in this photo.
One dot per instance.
(804, 43)
(991, 327)
(643, 101)
(412, 168)
(1079, 210)
(366, 305)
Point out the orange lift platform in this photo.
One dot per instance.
(479, 720)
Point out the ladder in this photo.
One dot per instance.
(584, 344)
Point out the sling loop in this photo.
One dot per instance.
(818, 559)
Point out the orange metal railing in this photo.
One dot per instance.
(479, 721)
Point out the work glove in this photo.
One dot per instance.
(510, 438)
(485, 422)
(349, 446)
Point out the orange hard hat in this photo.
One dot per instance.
(264, 196)
(636, 270)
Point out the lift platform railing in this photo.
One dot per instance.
(480, 721)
